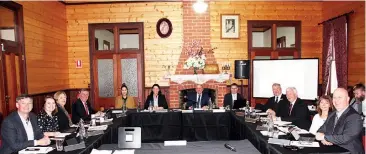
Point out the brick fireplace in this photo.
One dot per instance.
(220, 88)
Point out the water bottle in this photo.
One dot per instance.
(247, 109)
(209, 104)
(150, 106)
(270, 126)
(82, 131)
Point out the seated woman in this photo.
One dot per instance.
(64, 119)
(156, 98)
(124, 99)
(323, 107)
(46, 119)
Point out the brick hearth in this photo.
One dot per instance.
(175, 88)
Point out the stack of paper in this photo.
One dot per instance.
(94, 128)
(282, 123)
(62, 135)
(95, 151)
(117, 111)
(36, 150)
(124, 151)
(304, 144)
(265, 133)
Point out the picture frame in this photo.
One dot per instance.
(230, 26)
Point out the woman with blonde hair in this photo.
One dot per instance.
(64, 119)
(47, 119)
(124, 99)
(324, 107)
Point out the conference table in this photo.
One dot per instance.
(194, 127)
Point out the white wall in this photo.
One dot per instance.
(104, 35)
(289, 33)
(129, 41)
(267, 38)
(257, 39)
(7, 34)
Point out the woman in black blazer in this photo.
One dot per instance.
(156, 98)
(64, 119)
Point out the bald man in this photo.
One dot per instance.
(198, 99)
(342, 127)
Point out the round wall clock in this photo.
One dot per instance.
(164, 27)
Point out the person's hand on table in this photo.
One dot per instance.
(43, 142)
(205, 107)
(327, 143)
(190, 107)
(319, 136)
(271, 112)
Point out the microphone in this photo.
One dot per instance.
(228, 146)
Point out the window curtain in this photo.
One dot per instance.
(335, 47)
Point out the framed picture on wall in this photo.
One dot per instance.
(106, 45)
(230, 26)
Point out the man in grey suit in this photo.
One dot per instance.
(20, 130)
(342, 127)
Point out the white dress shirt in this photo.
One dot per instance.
(278, 98)
(156, 103)
(316, 124)
(235, 97)
(28, 128)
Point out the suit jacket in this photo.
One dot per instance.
(14, 135)
(346, 133)
(161, 101)
(78, 111)
(271, 104)
(192, 99)
(356, 105)
(228, 100)
(300, 114)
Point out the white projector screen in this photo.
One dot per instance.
(299, 73)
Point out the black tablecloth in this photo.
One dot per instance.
(157, 127)
(261, 142)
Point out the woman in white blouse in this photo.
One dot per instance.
(324, 107)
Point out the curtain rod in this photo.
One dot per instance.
(351, 12)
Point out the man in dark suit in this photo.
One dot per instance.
(293, 109)
(20, 130)
(342, 127)
(234, 99)
(82, 109)
(359, 99)
(198, 99)
(272, 102)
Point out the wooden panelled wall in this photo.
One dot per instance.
(356, 36)
(159, 52)
(309, 13)
(45, 46)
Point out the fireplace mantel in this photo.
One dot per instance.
(199, 78)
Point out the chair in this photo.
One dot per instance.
(129, 137)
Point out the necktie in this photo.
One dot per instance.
(335, 121)
(290, 109)
(199, 101)
(276, 99)
(86, 109)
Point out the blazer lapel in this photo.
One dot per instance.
(340, 120)
(20, 126)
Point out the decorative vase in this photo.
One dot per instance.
(195, 70)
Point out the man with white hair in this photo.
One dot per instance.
(342, 127)
(294, 110)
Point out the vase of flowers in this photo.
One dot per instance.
(196, 57)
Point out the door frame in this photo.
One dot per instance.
(93, 52)
(19, 38)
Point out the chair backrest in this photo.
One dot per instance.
(129, 137)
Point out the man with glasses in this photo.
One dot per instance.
(20, 130)
(233, 99)
(342, 127)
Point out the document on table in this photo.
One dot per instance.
(278, 141)
(124, 151)
(95, 151)
(187, 111)
(265, 133)
(62, 135)
(281, 123)
(117, 111)
(102, 127)
(37, 150)
(304, 144)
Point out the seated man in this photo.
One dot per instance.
(234, 99)
(197, 99)
(272, 102)
(294, 110)
(81, 109)
(342, 127)
(357, 101)
(20, 130)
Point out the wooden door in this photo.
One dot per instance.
(12, 76)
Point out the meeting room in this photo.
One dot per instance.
(182, 76)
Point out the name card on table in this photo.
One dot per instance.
(187, 111)
(117, 111)
(32, 150)
(218, 110)
(175, 143)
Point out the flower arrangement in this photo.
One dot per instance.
(196, 58)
